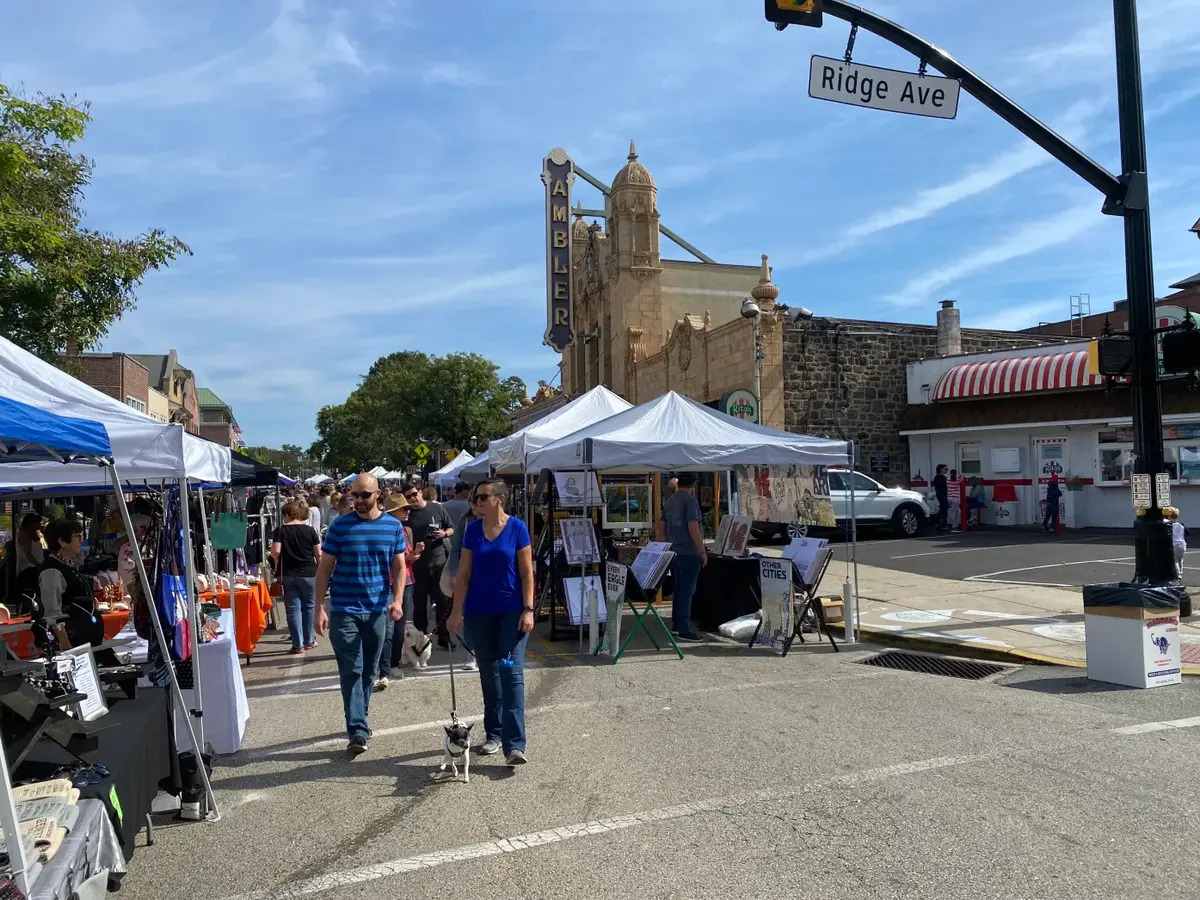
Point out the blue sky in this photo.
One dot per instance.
(361, 177)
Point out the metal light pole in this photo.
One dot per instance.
(752, 311)
(1154, 561)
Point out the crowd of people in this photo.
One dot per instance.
(369, 568)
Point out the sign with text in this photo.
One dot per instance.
(886, 89)
(1140, 485)
(615, 576)
(775, 588)
(1162, 488)
(558, 174)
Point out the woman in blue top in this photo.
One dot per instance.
(493, 599)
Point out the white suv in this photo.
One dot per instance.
(874, 504)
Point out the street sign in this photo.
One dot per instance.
(794, 12)
(886, 89)
(422, 451)
(1140, 485)
(1162, 489)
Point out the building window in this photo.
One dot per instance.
(1117, 459)
(969, 460)
(139, 405)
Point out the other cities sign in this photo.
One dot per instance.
(887, 89)
(558, 174)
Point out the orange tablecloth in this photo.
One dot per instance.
(252, 604)
(21, 642)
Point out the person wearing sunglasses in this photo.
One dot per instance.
(362, 565)
(431, 524)
(493, 605)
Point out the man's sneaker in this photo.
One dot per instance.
(490, 747)
(470, 665)
(688, 637)
(381, 683)
(356, 747)
(515, 758)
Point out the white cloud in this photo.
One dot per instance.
(1029, 238)
(454, 75)
(289, 59)
(1016, 318)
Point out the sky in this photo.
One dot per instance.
(358, 177)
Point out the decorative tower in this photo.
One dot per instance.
(635, 298)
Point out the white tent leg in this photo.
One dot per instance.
(850, 595)
(210, 569)
(164, 648)
(8, 818)
(193, 613)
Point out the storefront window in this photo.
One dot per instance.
(1116, 464)
(1189, 463)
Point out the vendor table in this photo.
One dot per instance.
(250, 607)
(136, 745)
(90, 848)
(728, 588)
(21, 642)
(226, 708)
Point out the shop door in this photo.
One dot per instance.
(1050, 456)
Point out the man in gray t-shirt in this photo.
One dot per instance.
(458, 507)
(680, 526)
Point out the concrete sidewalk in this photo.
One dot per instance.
(1026, 622)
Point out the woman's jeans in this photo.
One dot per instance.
(393, 637)
(494, 638)
(301, 606)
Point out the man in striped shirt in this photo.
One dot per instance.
(362, 565)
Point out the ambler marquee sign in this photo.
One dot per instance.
(558, 174)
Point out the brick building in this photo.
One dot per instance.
(117, 374)
(217, 422)
(848, 378)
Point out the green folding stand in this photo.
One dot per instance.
(639, 620)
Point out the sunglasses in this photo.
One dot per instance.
(479, 498)
(412, 496)
(362, 495)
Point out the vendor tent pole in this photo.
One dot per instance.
(850, 593)
(163, 646)
(208, 552)
(18, 862)
(189, 564)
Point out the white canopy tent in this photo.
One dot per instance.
(673, 433)
(507, 455)
(448, 474)
(144, 449)
(318, 479)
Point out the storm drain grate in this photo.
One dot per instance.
(934, 665)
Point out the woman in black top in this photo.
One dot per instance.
(296, 548)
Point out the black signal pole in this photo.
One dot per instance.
(1154, 560)
(1127, 196)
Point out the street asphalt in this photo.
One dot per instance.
(732, 773)
(1070, 559)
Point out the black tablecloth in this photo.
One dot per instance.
(137, 744)
(728, 588)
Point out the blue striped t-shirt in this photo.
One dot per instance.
(364, 549)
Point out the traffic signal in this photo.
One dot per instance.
(794, 12)
(1181, 351)
(1111, 355)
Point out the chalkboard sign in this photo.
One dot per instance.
(881, 462)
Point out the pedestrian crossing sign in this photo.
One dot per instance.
(422, 451)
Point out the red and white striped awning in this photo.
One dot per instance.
(1017, 375)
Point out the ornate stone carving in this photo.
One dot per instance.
(685, 346)
(544, 391)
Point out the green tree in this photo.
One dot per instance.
(60, 282)
(409, 397)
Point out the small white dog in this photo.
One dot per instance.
(417, 648)
(458, 748)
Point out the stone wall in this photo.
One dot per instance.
(847, 379)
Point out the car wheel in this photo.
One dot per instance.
(795, 532)
(908, 520)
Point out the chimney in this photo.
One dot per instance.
(949, 332)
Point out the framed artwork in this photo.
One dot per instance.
(627, 506)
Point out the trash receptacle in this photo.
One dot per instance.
(1132, 633)
(1006, 509)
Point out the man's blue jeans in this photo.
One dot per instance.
(493, 638)
(686, 570)
(357, 640)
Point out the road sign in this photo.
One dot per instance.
(1140, 484)
(422, 451)
(1162, 489)
(887, 89)
(794, 12)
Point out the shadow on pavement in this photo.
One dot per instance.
(1068, 685)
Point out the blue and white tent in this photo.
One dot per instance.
(29, 434)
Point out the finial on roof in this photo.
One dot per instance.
(764, 291)
(632, 151)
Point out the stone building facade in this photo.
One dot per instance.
(645, 324)
(848, 378)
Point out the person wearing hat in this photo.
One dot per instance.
(393, 638)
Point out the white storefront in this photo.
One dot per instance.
(1092, 456)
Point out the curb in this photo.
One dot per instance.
(970, 650)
